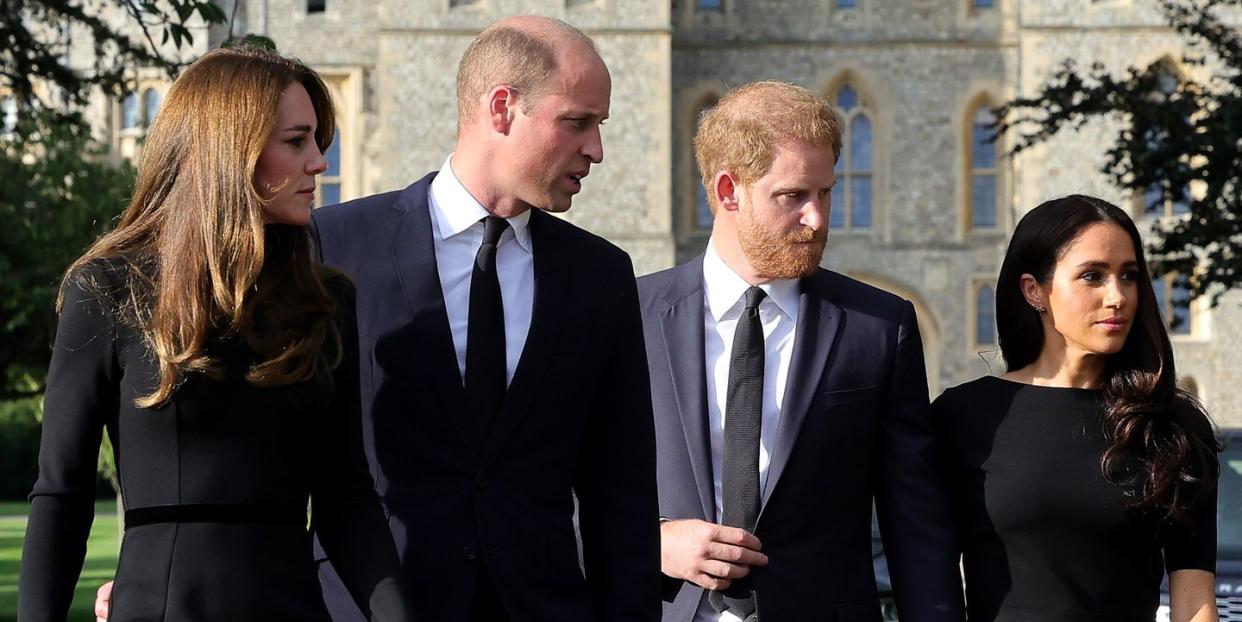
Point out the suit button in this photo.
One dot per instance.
(469, 553)
(480, 483)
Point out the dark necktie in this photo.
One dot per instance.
(743, 421)
(485, 331)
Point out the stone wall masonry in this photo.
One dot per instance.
(921, 66)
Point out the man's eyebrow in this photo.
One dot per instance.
(590, 114)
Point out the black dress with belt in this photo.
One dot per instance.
(215, 481)
(1044, 537)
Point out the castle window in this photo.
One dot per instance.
(151, 100)
(702, 207)
(341, 179)
(316, 6)
(701, 218)
(330, 179)
(709, 5)
(985, 316)
(853, 194)
(1162, 199)
(984, 179)
(1173, 299)
(847, 4)
(1159, 202)
(131, 116)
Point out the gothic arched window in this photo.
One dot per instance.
(984, 182)
(151, 100)
(985, 316)
(131, 116)
(852, 197)
(701, 219)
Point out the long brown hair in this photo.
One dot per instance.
(1161, 450)
(200, 266)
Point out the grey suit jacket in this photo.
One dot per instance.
(854, 427)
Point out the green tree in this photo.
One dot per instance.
(36, 35)
(1175, 131)
(57, 194)
(57, 190)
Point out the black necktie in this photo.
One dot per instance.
(743, 421)
(485, 331)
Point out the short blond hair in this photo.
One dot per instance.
(522, 58)
(740, 132)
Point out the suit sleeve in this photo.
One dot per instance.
(615, 483)
(912, 500)
(345, 510)
(81, 395)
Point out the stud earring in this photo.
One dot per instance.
(1040, 308)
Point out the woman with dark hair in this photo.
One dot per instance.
(222, 361)
(1083, 474)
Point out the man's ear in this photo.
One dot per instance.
(501, 106)
(728, 190)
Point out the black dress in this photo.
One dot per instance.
(1044, 537)
(215, 482)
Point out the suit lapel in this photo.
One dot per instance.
(818, 323)
(682, 326)
(553, 260)
(415, 255)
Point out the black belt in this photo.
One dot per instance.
(216, 513)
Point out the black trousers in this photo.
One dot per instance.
(487, 606)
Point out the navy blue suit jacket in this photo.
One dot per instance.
(576, 419)
(853, 427)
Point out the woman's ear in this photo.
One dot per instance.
(1033, 293)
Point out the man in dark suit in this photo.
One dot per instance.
(502, 367)
(503, 374)
(787, 396)
(503, 370)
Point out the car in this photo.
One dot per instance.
(1228, 534)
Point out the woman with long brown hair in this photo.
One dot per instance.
(1082, 476)
(222, 361)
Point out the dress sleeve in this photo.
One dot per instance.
(345, 510)
(81, 394)
(1191, 545)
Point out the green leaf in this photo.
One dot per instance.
(250, 40)
(212, 13)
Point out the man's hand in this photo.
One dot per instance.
(706, 554)
(103, 600)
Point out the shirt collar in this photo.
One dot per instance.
(456, 210)
(723, 289)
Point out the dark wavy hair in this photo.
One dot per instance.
(1162, 450)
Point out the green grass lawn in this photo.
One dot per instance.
(101, 552)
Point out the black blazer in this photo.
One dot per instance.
(576, 419)
(853, 425)
(218, 446)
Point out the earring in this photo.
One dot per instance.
(1040, 308)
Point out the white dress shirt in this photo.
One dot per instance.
(457, 234)
(724, 298)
